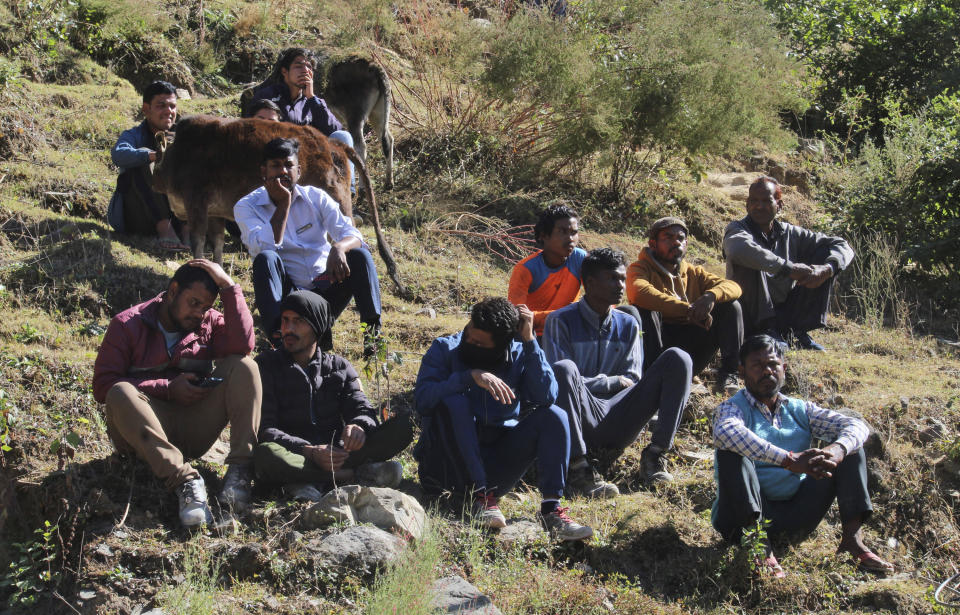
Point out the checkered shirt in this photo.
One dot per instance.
(730, 433)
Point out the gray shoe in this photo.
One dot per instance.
(193, 503)
(727, 384)
(562, 527)
(235, 494)
(653, 467)
(302, 492)
(380, 474)
(587, 482)
(486, 510)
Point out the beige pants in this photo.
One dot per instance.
(164, 434)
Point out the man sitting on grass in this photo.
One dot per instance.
(135, 208)
(549, 279)
(469, 392)
(173, 373)
(317, 426)
(768, 469)
(597, 357)
(685, 305)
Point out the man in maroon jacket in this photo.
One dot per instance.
(172, 373)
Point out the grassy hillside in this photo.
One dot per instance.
(82, 532)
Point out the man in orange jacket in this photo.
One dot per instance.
(685, 305)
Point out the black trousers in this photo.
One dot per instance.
(725, 334)
(740, 503)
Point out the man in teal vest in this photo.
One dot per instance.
(767, 467)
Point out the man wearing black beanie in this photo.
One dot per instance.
(317, 425)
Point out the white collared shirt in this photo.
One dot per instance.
(304, 247)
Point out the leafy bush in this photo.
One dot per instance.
(908, 188)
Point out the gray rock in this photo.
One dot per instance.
(428, 311)
(104, 550)
(360, 548)
(520, 531)
(935, 430)
(385, 508)
(87, 594)
(456, 595)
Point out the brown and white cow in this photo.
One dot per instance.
(213, 162)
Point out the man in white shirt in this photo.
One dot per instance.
(285, 228)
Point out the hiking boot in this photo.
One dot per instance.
(728, 384)
(193, 503)
(380, 474)
(302, 492)
(236, 487)
(486, 511)
(586, 481)
(804, 341)
(653, 467)
(561, 527)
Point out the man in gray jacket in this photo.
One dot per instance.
(786, 272)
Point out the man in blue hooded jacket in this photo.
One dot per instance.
(469, 390)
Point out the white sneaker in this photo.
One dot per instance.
(193, 503)
(236, 487)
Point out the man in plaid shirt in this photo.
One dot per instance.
(767, 468)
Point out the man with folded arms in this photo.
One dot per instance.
(767, 467)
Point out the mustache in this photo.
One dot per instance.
(291, 337)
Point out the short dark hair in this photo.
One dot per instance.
(263, 103)
(188, 275)
(496, 316)
(157, 87)
(766, 179)
(759, 342)
(548, 217)
(288, 55)
(280, 148)
(601, 259)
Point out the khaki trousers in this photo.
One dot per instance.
(165, 434)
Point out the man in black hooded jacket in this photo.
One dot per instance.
(317, 426)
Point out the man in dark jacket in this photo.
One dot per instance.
(135, 208)
(471, 384)
(786, 272)
(317, 426)
(151, 374)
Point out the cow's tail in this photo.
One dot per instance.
(382, 246)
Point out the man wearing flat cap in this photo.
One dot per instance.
(684, 305)
(317, 425)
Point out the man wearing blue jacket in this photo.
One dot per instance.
(135, 208)
(469, 392)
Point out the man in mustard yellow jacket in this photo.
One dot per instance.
(684, 305)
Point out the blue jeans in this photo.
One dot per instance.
(345, 137)
(271, 284)
(497, 457)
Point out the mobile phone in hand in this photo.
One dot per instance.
(207, 382)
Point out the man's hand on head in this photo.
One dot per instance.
(329, 458)
(526, 323)
(821, 273)
(353, 437)
(493, 385)
(182, 391)
(220, 277)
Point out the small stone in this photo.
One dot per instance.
(120, 534)
(291, 538)
(934, 431)
(608, 605)
(456, 595)
(104, 550)
(218, 453)
(248, 561)
(703, 455)
(583, 567)
(427, 311)
(171, 265)
(699, 389)
(272, 603)
(904, 403)
(892, 542)
(87, 594)
(837, 400)
(836, 578)
(179, 579)
(183, 94)
(954, 495)
(99, 503)
(520, 531)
